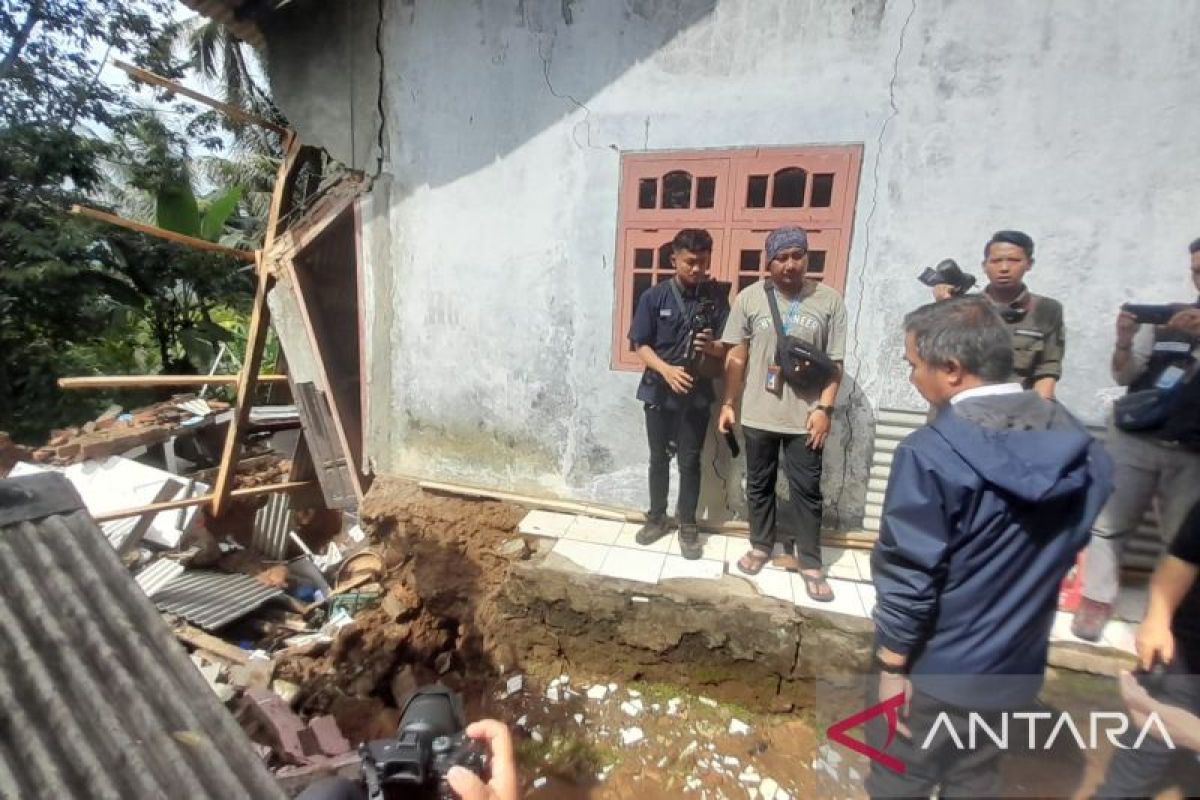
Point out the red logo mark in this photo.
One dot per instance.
(890, 707)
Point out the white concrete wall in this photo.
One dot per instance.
(491, 240)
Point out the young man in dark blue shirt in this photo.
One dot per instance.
(678, 398)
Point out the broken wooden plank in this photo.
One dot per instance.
(165, 492)
(140, 381)
(162, 233)
(320, 449)
(290, 486)
(205, 641)
(281, 189)
(256, 339)
(231, 111)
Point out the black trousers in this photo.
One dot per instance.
(678, 432)
(967, 772)
(1142, 772)
(802, 467)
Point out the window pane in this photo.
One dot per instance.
(750, 261)
(640, 284)
(746, 280)
(816, 261)
(643, 258)
(648, 193)
(789, 188)
(756, 192)
(677, 190)
(706, 192)
(822, 191)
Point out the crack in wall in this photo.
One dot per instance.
(380, 105)
(848, 439)
(587, 112)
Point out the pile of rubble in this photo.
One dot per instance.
(115, 432)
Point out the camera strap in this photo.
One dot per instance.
(780, 331)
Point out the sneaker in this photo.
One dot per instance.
(689, 542)
(1090, 619)
(654, 529)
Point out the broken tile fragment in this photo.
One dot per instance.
(631, 736)
(738, 728)
(514, 684)
(708, 701)
(768, 789)
(598, 692)
(539, 782)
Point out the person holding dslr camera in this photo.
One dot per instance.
(1154, 437)
(674, 334)
(1035, 321)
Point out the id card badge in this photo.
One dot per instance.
(774, 379)
(1169, 377)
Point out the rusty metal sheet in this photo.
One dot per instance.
(212, 599)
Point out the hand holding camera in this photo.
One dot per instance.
(503, 783)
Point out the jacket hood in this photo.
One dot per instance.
(1023, 445)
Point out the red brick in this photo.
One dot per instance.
(68, 451)
(329, 737)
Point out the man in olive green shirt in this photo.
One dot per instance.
(775, 415)
(1035, 322)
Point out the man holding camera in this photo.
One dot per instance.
(1154, 456)
(673, 333)
(1035, 322)
(788, 339)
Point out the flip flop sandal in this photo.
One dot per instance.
(753, 562)
(814, 584)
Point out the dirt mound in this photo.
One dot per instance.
(443, 572)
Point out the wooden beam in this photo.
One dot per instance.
(291, 151)
(161, 233)
(231, 111)
(218, 647)
(139, 381)
(256, 338)
(187, 502)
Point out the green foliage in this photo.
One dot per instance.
(78, 297)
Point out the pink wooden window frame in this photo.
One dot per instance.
(734, 226)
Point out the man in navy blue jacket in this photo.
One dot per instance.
(984, 513)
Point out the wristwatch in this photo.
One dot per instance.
(828, 409)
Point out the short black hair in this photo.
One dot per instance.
(1194, 247)
(1020, 239)
(695, 239)
(963, 329)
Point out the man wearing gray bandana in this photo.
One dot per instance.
(777, 416)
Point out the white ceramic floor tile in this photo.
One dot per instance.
(863, 557)
(773, 583)
(587, 555)
(545, 523)
(840, 563)
(1120, 634)
(597, 531)
(846, 597)
(629, 564)
(628, 538)
(866, 593)
(677, 567)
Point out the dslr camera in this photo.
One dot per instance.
(1150, 314)
(948, 271)
(412, 766)
(704, 319)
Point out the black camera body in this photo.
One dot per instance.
(1149, 314)
(704, 318)
(430, 740)
(949, 272)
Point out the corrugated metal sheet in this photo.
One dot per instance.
(156, 576)
(213, 599)
(97, 699)
(271, 525)
(1142, 549)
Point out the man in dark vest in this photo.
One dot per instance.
(1035, 321)
(1161, 460)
